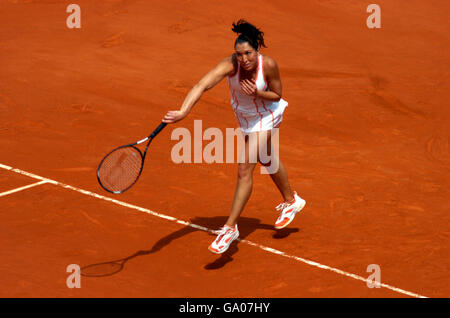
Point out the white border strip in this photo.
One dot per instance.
(170, 218)
(22, 188)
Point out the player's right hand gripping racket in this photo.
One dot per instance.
(120, 169)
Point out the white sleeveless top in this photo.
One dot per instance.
(242, 103)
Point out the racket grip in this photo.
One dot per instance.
(158, 129)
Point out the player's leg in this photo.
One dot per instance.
(280, 178)
(244, 184)
(279, 175)
(229, 232)
(292, 202)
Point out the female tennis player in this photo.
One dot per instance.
(255, 89)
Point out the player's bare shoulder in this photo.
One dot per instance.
(228, 65)
(270, 66)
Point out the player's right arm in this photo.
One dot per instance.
(224, 68)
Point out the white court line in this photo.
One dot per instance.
(22, 188)
(170, 218)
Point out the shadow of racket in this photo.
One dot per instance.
(113, 267)
(108, 268)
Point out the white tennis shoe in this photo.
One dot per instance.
(288, 211)
(225, 236)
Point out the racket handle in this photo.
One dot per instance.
(158, 129)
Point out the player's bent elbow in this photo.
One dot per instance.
(277, 98)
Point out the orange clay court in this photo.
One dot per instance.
(365, 140)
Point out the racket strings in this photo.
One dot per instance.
(120, 169)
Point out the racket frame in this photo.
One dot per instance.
(143, 155)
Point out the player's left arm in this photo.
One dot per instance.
(273, 81)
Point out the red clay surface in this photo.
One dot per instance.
(10, 181)
(365, 140)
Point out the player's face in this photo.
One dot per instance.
(247, 56)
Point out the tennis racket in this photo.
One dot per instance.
(121, 168)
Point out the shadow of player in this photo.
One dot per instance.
(246, 227)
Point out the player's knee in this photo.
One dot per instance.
(245, 171)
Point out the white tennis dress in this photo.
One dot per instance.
(255, 114)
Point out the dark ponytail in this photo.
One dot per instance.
(248, 33)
